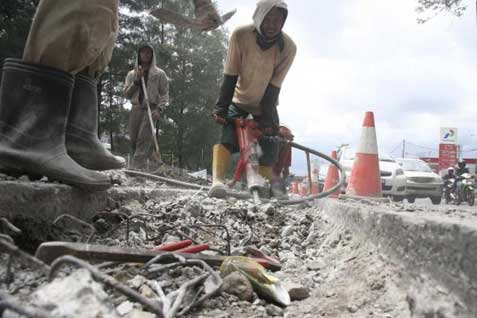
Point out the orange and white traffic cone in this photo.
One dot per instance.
(365, 179)
(332, 177)
(295, 187)
(315, 189)
(303, 190)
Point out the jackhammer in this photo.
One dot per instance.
(248, 134)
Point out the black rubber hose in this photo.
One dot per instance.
(245, 196)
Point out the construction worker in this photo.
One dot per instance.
(48, 99)
(157, 89)
(281, 169)
(258, 59)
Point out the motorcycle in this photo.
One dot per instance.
(449, 191)
(466, 193)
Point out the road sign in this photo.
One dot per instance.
(447, 156)
(448, 135)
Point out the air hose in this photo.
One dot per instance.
(245, 196)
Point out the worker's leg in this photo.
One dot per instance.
(222, 154)
(73, 35)
(82, 143)
(267, 161)
(144, 143)
(65, 37)
(34, 107)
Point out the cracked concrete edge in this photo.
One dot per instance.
(439, 247)
(47, 201)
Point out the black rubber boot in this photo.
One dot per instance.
(34, 107)
(82, 143)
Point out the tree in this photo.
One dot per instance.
(15, 19)
(435, 7)
(194, 63)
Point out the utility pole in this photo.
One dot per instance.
(403, 148)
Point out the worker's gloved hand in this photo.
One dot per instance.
(269, 129)
(219, 118)
(226, 93)
(139, 72)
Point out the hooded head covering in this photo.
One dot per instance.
(153, 61)
(263, 8)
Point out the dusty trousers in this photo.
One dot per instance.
(73, 35)
(140, 134)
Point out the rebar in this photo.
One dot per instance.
(23, 257)
(9, 226)
(68, 216)
(111, 282)
(176, 298)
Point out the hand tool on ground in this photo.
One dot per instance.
(49, 251)
(156, 155)
(247, 134)
(181, 247)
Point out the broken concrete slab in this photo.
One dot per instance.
(46, 201)
(77, 295)
(444, 249)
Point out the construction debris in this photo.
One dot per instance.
(327, 268)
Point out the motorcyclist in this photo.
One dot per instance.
(449, 176)
(461, 169)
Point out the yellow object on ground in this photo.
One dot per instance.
(265, 285)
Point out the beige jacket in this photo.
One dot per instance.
(157, 86)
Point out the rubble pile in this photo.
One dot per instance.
(326, 270)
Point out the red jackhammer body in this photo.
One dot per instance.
(247, 134)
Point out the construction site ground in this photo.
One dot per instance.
(342, 258)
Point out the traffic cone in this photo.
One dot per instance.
(365, 179)
(295, 188)
(315, 188)
(332, 177)
(303, 190)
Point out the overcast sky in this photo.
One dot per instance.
(368, 55)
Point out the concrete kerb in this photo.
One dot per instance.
(364, 199)
(42, 201)
(441, 248)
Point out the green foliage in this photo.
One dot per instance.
(430, 8)
(194, 63)
(15, 20)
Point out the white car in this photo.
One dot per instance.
(422, 182)
(393, 180)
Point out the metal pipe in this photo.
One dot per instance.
(308, 164)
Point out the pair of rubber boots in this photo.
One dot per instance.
(220, 165)
(48, 126)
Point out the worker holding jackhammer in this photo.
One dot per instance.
(48, 99)
(157, 90)
(258, 59)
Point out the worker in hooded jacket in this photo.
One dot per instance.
(157, 89)
(258, 59)
(48, 99)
